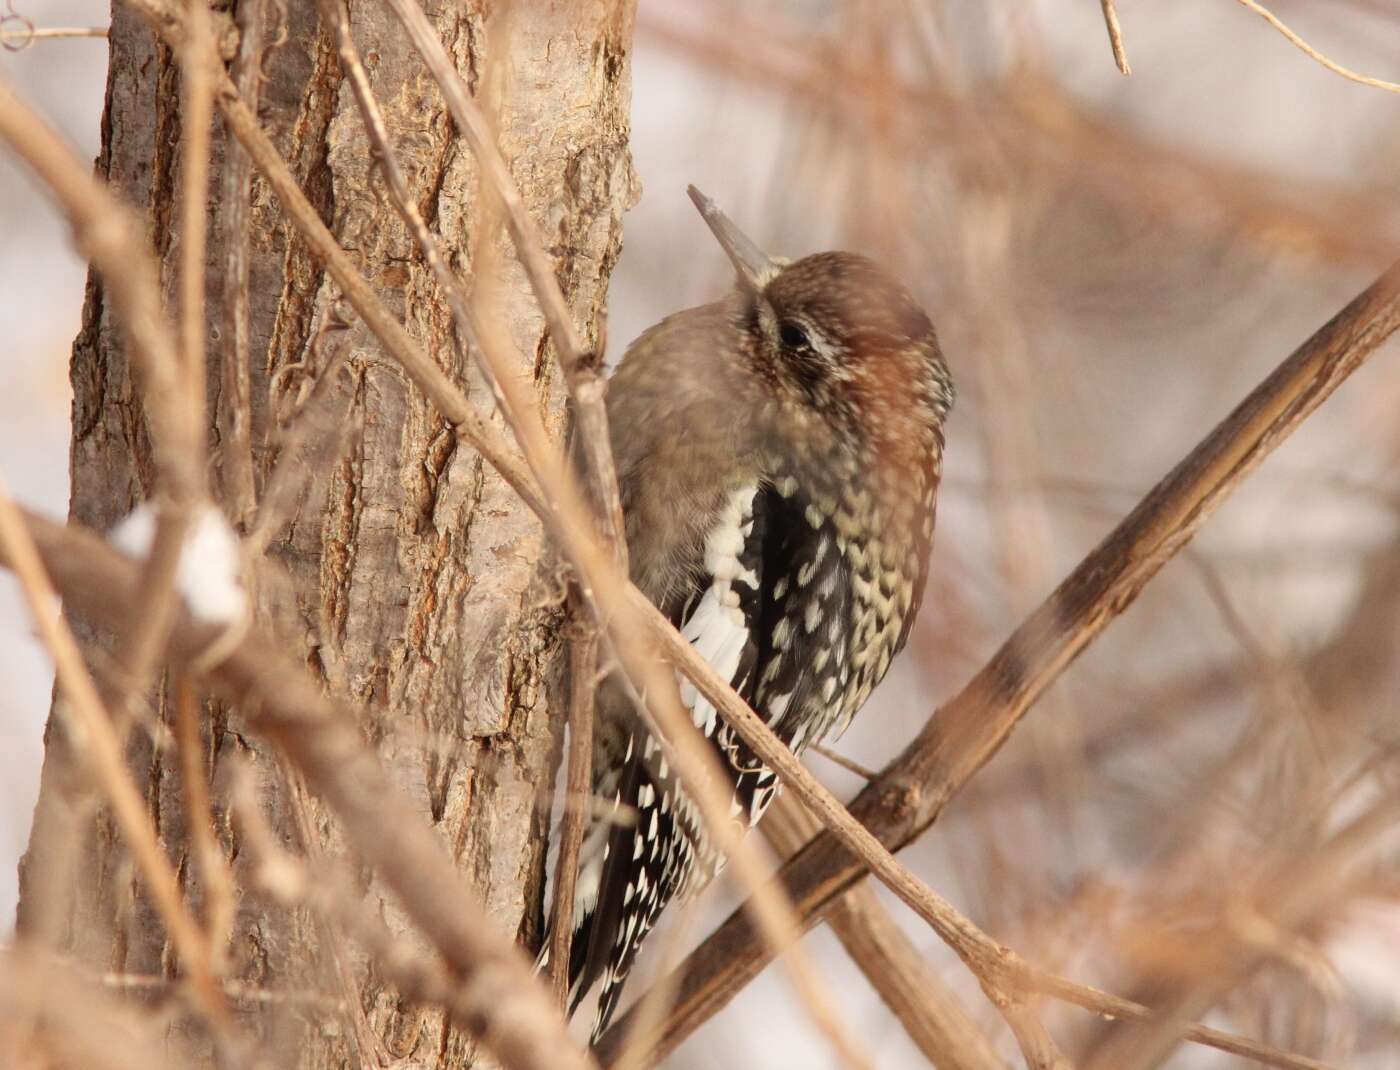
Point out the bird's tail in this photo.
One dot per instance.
(634, 860)
(592, 855)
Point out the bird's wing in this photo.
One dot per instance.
(770, 592)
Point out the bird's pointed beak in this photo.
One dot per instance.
(755, 267)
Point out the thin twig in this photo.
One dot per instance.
(144, 637)
(1312, 53)
(236, 408)
(238, 991)
(481, 138)
(583, 689)
(1037, 1046)
(196, 115)
(836, 758)
(27, 37)
(216, 881)
(386, 159)
(1106, 1005)
(1115, 35)
(154, 609)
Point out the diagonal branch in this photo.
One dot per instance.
(1115, 36)
(109, 235)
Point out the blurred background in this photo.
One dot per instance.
(1112, 263)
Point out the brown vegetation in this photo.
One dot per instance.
(349, 266)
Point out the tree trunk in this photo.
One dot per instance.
(403, 576)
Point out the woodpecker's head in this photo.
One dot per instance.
(842, 345)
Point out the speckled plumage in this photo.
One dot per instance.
(778, 454)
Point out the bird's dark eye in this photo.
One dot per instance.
(793, 336)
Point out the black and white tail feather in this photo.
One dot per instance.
(770, 614)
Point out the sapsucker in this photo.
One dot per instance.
(778, 454)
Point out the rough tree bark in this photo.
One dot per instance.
(403, 575)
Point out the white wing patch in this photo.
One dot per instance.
(716, 628)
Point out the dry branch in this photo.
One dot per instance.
(19, 40)
(321, 737)
(220, 903)
(578, 788)
(236, 404)
(1115, 35)
(913, 789)
(144, 639)
(1312, 53)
